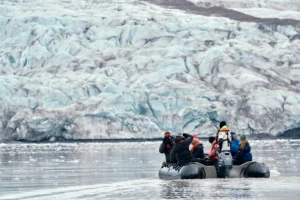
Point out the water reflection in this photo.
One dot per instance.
(45, 166)
(188, 189)
(26, 167)
(179, 189)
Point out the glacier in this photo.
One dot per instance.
(278, 5)
(98, 69)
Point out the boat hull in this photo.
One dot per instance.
(199, 171)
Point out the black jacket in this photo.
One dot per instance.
(198, 151)
(166, 147)
(182, 151)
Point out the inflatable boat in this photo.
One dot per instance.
(200, 171)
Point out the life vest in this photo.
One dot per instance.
(223, 129)
(224, 134)
(196, 144)
(212, 154)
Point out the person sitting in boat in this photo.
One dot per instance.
(212, 157)
(235, 144)
(167, 145)
(244, 153)
(197, 149)
(223, 138)
(182, 151)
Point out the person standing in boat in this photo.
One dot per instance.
(235, 144)
(244, 153)
(223, 138)
(197, 148)
(167, 145)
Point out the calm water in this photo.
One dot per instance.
(129, 170)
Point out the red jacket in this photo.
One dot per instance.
(212, 154)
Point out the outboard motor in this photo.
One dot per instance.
(224, 164)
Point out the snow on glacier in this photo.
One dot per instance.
(288, 5)
(259, 8)
(131, 69)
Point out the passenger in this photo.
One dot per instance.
(197, 149)
(181, 150)
(167, 145)
(223, 138)
(244, 154)
(235, 144)
(212, 156)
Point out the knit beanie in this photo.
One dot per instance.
(243, 137)
(222, 123)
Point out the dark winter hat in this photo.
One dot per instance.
(232, 133)
(222, 123)
(243, 137)
(178, 139)
(211, 139)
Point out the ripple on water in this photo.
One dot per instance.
(125, 171)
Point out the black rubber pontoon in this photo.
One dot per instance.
(199, 171)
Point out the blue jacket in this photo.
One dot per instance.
(244, 155)
(235, 145)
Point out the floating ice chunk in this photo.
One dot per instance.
(74, 161)
(274, 173)
(31, 159)
(52, 139)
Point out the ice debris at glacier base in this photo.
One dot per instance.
(130, 69)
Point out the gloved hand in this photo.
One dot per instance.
(168, 142)
(186, 135)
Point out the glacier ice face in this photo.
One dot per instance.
(131, 69)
